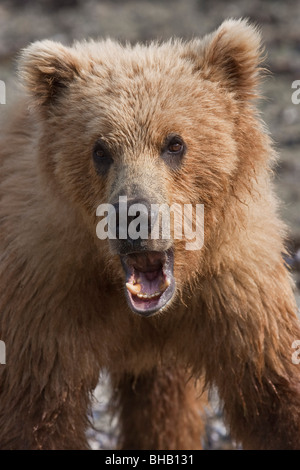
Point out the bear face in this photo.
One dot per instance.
(135, 122)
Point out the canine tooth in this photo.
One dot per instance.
(164, 284)
(134, 289)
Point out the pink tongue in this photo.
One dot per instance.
(151, 275)
(150, 282)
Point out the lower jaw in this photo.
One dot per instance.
(150, 307)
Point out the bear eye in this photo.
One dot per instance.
(173, 150)
(101, 157)
(99, 153)
(175, 147)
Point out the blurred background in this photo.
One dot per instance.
(24, 21)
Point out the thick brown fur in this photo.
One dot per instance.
(63, 311)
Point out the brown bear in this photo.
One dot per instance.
(157, 124)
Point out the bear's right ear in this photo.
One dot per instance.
(46, 68)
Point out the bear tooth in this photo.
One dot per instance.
(142, 295)
(163, 286)
(134, 289)
(155, 294)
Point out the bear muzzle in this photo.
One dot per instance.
(150, 282)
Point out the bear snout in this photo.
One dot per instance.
(134, 226)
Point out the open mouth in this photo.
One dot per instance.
(150, 283)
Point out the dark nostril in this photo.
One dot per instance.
(129, 212)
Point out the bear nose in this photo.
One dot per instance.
(134, 221)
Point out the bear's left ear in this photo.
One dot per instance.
(46, 69)
(231, 56)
